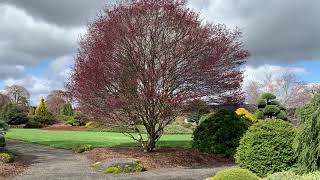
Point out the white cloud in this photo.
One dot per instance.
(258, 73)
(53, 78)
(24, 40)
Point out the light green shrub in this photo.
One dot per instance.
(235, 174)
(6, 157)
(267, 147)
(83, 148)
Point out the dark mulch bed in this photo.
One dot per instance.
(162, 158)
(11, 169)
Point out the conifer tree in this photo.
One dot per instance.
(42, 109)
(67, 109)
(307, 141)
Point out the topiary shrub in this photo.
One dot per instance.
(6, 157)
(307, 142)
(266, 147)
(220, 133)
(13, 114)
(246, 114)
(235, 174)
(269, 107)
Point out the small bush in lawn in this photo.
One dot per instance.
(13, 114)
(220, 133)
(235, 174)
(6, 157)
(267, 147)
(83, 148)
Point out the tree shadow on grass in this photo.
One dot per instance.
(177, 144)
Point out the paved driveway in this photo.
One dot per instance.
(55, 164)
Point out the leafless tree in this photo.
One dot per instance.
(4, 99)
(142, 60)
(55, 101)
(289, 89)
(18, 95)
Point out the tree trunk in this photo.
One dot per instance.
(151, 143)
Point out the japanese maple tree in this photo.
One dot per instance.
(143, 60)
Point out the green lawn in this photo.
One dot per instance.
(71, 139)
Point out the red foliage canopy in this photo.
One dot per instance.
(144, 59)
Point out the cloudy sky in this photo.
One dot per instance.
(38, 38)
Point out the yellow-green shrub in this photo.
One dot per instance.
(6, 157)
(90, 125)
(83, 148)
(246, 114)
(235, 174)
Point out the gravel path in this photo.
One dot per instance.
(56, 164)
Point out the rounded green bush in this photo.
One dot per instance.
(33, 124)
(13, 114)
(268, 96)
(235, 174)
(259, 115)
(83, 148)
(44, 119)
(6, 157)
(271, 109)
(267, 147)
(220, 133)
(282, 115)
(261, 103)
(205, 116)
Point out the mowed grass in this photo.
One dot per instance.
(72, 139)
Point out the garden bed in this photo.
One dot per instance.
(12, 169)
(162, 158)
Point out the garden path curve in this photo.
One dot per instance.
(47, 163)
